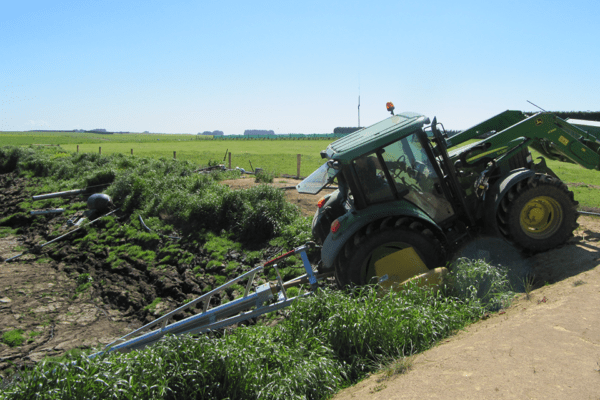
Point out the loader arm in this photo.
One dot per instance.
(552, 136)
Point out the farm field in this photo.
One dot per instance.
(278, 156)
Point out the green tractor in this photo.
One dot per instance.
(409, 197)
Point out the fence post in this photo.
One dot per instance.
(78, 148)
(131, 151)
(174, 155)
(299, 156)
(229, 160)
(99, 150)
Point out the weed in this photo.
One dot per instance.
(528, 285)
(220, 280)
(32, 336)
(152, 306)
(213, 263)
(6, 231)
(253, 257)
(264, 177)
(378, 388)
(83, 287)
(231, 266)
(579, 282)
(84, 278)
(13, 338)
(395, 367)
(293, 291)
(476, 280)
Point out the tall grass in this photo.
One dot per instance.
(168, 189)
(329, 340)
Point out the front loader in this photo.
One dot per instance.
(408, 196)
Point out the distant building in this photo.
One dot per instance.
(345, 130)
(257, 132)
(98, 130)
(213, 133)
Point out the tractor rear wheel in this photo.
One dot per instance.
(538, 213)
(399, 248)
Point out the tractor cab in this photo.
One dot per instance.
(389, 165)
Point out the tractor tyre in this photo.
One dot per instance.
(538, 214)
(398, 247)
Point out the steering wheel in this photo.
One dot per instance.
(401, 166)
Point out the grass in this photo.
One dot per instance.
(528, 285)
(264, 177)
(6, 231)
(152, 306)
(13, 338)
(479, 281)
(396, 367)
(271, 155)
(328, 341)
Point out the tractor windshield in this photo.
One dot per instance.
(406, 172)
(316, 181)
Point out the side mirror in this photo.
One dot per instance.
(334, 164)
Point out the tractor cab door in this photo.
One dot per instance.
(403, 170)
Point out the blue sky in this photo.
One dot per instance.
(294, 67)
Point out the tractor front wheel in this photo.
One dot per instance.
(400, 249)
(538, 213)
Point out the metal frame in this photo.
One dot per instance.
(267, 297)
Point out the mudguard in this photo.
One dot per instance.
(495, 194)
(351, 222)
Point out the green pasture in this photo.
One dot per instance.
(279, 156)
(60, 138)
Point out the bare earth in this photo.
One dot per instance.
(544, 347)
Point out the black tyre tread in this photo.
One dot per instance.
(342, 269)
(506, 214)
(519, 160)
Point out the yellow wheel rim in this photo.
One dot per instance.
(398, 260)
(541, 217)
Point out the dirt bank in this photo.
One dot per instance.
(62, 298)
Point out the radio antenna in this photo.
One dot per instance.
(537, 106)
(359, 99)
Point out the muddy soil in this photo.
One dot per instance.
(44, 295)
